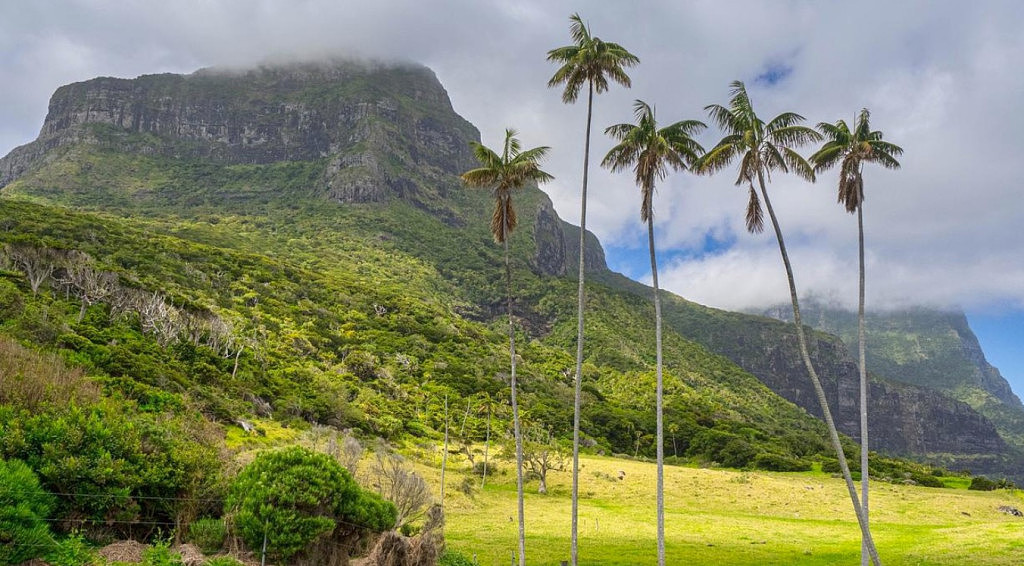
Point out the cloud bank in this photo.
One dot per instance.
(942, 80)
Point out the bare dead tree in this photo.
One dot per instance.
(399, 485)
(37, 262)
(81, 278)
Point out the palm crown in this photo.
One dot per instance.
(761, 148)
(589, 60)
(503, 174)
(851, 149)
(651, 150)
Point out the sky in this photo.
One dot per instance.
(942, 79)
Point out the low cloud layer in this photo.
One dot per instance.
(941, 79)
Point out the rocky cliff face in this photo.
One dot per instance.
(930, 349)
(383, 132)
(903, 419)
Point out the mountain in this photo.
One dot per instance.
(293, 241)
(930, 348)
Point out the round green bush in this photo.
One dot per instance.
(294, 496)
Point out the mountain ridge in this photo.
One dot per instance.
(109, 146)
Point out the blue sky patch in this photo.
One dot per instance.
(773, 74)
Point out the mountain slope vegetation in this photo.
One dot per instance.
(292, 246)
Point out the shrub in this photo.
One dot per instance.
(453, 558)
(780, 463)
(208, 534)
(24, 508)
(222, 561)
(737, 453)
(709, 443)
(981, 483)
(295, 496)
(926, 480)
(121, 462)
(160, 554)
(72, 551)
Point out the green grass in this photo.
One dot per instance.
(730, 517)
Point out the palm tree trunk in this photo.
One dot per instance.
(444, 454)
(580, 301)
(515, 410)
(863, 385)
(658, 403)
(818, 390)
(487, 444)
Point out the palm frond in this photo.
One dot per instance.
(724, 118)
(793, 136)
(719, 157)
(619, 131)
(849, 183)
(772, 159)
(827, 156)
(838, 132)
(579, 31)
(863, 124)
(747, 169)
(740, 104)
(784, 120)
(755, 214)
(797, 164)
(503, 220)
(480, 178)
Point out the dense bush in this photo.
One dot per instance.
(111, 461)
(208, 534)
(294, 497)
(981, 483)
(737, 453)
(72, 551)
(24, 508)
(780, 463)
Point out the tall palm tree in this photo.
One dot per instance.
(762, 148)
(591, 62)
(504, 173)
(851, 149)
(651, 152)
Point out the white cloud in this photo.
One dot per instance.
(941, 79)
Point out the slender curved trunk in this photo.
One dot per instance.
(515, 410)
(863, 385)
(487, 445)
(818, 390)
(658, 403)
(444, 454)
(580, 302)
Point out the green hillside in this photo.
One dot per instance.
(308, 261)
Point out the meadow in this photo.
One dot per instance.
(717, 516)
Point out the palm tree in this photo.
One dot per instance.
(851, 150)
(762, 148)
(651, 152)
(592, 62)
(503, 173)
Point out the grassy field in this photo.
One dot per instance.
(728, 517)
